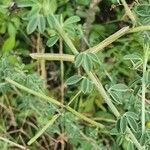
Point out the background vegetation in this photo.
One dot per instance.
(74, 74)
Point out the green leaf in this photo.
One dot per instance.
(79, 60)
(32, 24)
(16, 22)
(87, 63)
(72, 20)
(147, 77)
(143, 139)
(132, 123)
(73, 80)
(52, 41)
(130, 146)
(83, 2)
(34, 12)
(116, 97)
(94, 57)
(123, 124)
(118, 125)
(51, 32)
(41, 23)
(132, 115)
(11, 29)
(132, 57)
(119, 87)
(24, 3)
(86, 85)
(9, 44)
(50, 21)
(2, 28)
(49, 7)
(85, 59)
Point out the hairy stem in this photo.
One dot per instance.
(12, 143)
(129, 12)
(108, 40)
(50, 122)
(139, 29)
(61, 70)
(145, 60)
(53, 57)
(94, 79)
(53, 101)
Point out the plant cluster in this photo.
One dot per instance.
(100, 99)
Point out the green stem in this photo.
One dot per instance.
(53, 101)
(61, 70)
(109, 40)
(95, 49)
(129, 12)
(12, 143)
(64, 36)
(53, 57)
(135, 141)
(95, 80)
(50, 122)
(103, 93)
(74, 98)
(145, 60)
(139, 29)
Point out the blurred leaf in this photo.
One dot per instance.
(52, 41)
(11, 29)
(116, 97)
(72, 20)
(132, 123)
(132, 57)
(41, 23)
(87, 63)
(119, 87)
(49, 7)
(94, 57)
(2, 28)
(86, 85)
(121, 124)
(132, 115)
(143, 139)
(73, 80)
(16, 22)
(24, 3)
(130, 146)
(9, 44)
(34, 12)
(83, 2)
(33, 23)
(79, 60)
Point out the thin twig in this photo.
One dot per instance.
(53, 101)
(50, 122)
(129, 12)
(61, 70)
(53, 57)
(145, 61)
(13, 143)
(96, 82)
(108, 40)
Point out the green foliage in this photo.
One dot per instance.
(86, 84)
(73, 80)
(9, 44)
(86, 60)
(63, 26)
